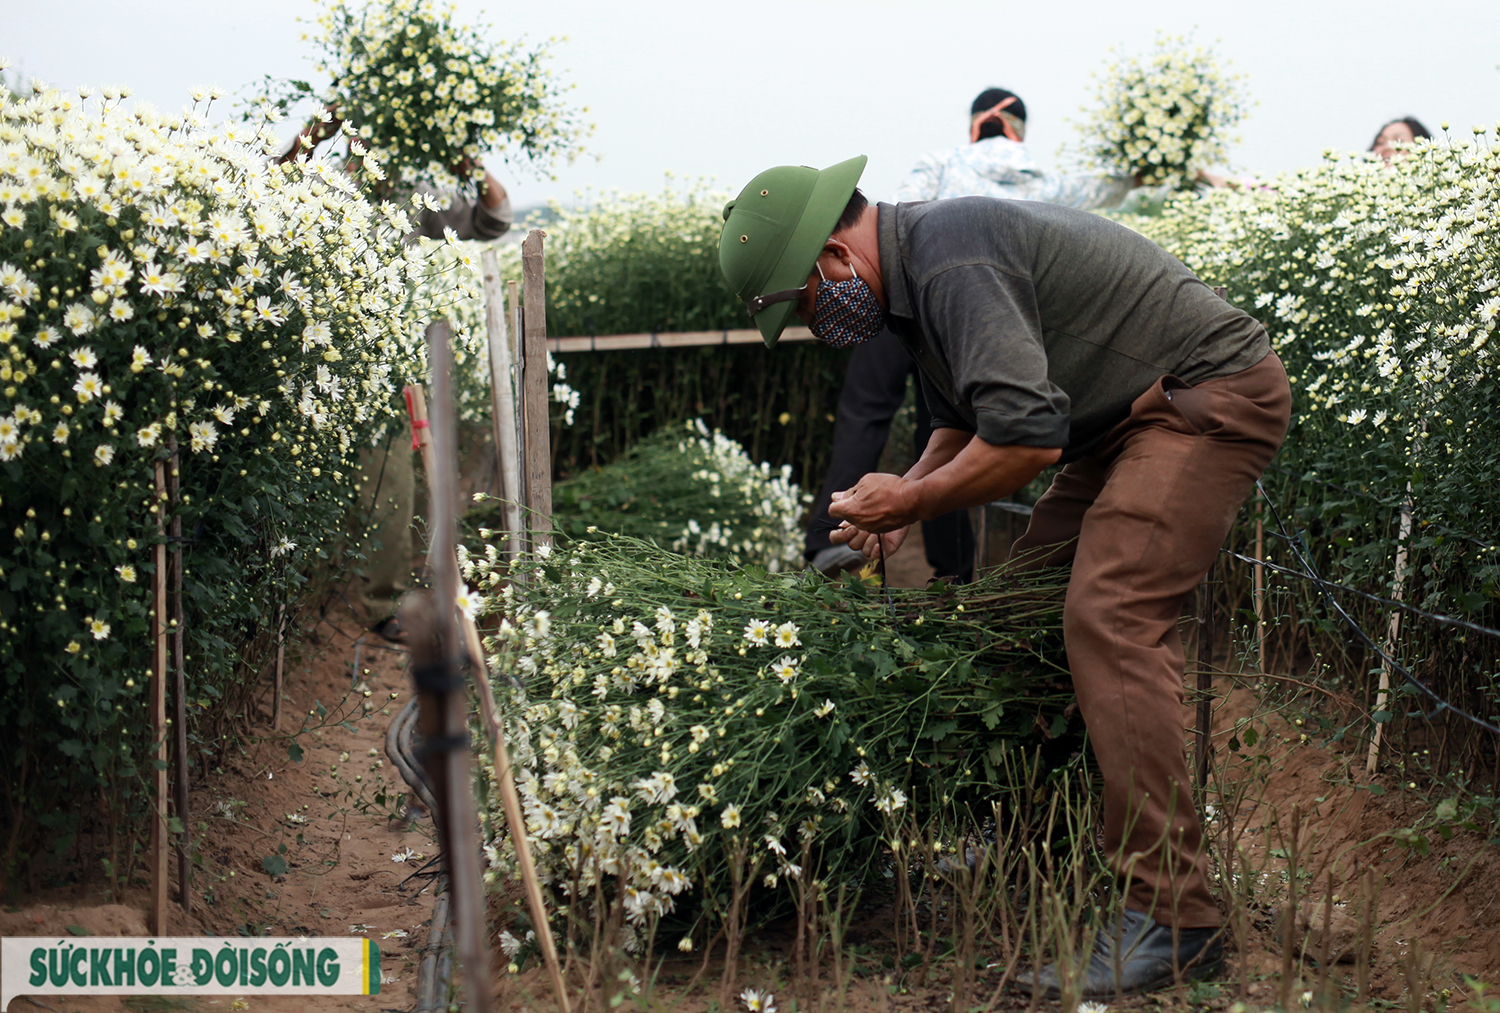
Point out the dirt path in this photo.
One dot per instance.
(321, 824)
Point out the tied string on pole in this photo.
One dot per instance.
(1298, 548)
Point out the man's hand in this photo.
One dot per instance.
(873, 546)
(877, 503)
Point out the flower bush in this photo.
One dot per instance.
(451, 286)
(1164, 117)
(429, 95)
(1380, 287)
(161, 285)
(692, 491)
(676, 711)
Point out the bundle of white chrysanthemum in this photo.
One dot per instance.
(430, 96)
(1164, 118)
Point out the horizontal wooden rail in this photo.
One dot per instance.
(676, 339)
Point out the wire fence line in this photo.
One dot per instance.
(1310, 574)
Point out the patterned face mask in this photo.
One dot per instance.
(846, 313)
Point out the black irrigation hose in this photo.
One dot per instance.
(398, 747)
(435, 973)
(436, 969)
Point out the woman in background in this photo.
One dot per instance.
(1397, 134)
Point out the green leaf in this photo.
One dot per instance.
(1447, 809)
(274, 865)
(294, 751)
(79, 930)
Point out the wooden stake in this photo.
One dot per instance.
(179, 687)
(510, 798)
(1260, 586)
(1205, 675)
(438, 678)
(1392, 634)
(534, 353)
(280, 667)
(513, 302)
(159, 716)
(503, 400)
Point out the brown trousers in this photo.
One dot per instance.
(1141, 521)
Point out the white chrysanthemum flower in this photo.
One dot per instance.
(758, 632)
(787, 635)
(757, 1001)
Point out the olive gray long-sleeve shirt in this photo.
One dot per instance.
(1037, 325)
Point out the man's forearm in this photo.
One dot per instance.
(942, 446)
(978, 472)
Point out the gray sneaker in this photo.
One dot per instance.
(1136, 955)
(836, 559)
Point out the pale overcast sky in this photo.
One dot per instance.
(725, 90)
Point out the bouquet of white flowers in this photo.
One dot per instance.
(429, 96)
(1164, 118)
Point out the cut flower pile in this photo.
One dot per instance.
(667, 714)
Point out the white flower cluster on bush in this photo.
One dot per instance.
(1165, 117)
(1380, 287)
(452, 287)
(146, 253)
(773, 538)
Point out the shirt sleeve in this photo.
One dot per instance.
(988, 328)
(923, 182)
(941, 414)
(469, 218)
(1082, 192)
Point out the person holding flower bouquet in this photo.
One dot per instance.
(1047, 335)
(486, 215)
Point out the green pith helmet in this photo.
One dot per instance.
(774, 231)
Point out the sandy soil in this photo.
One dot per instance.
(338, 840)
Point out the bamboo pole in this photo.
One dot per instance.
(513, 301)
(179, 687)
(538, 455)
(1260, 586)
(159, 715)
(510, 799)
(503, 400)
(669, 339)
(1204, 745)
(1392, 634)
